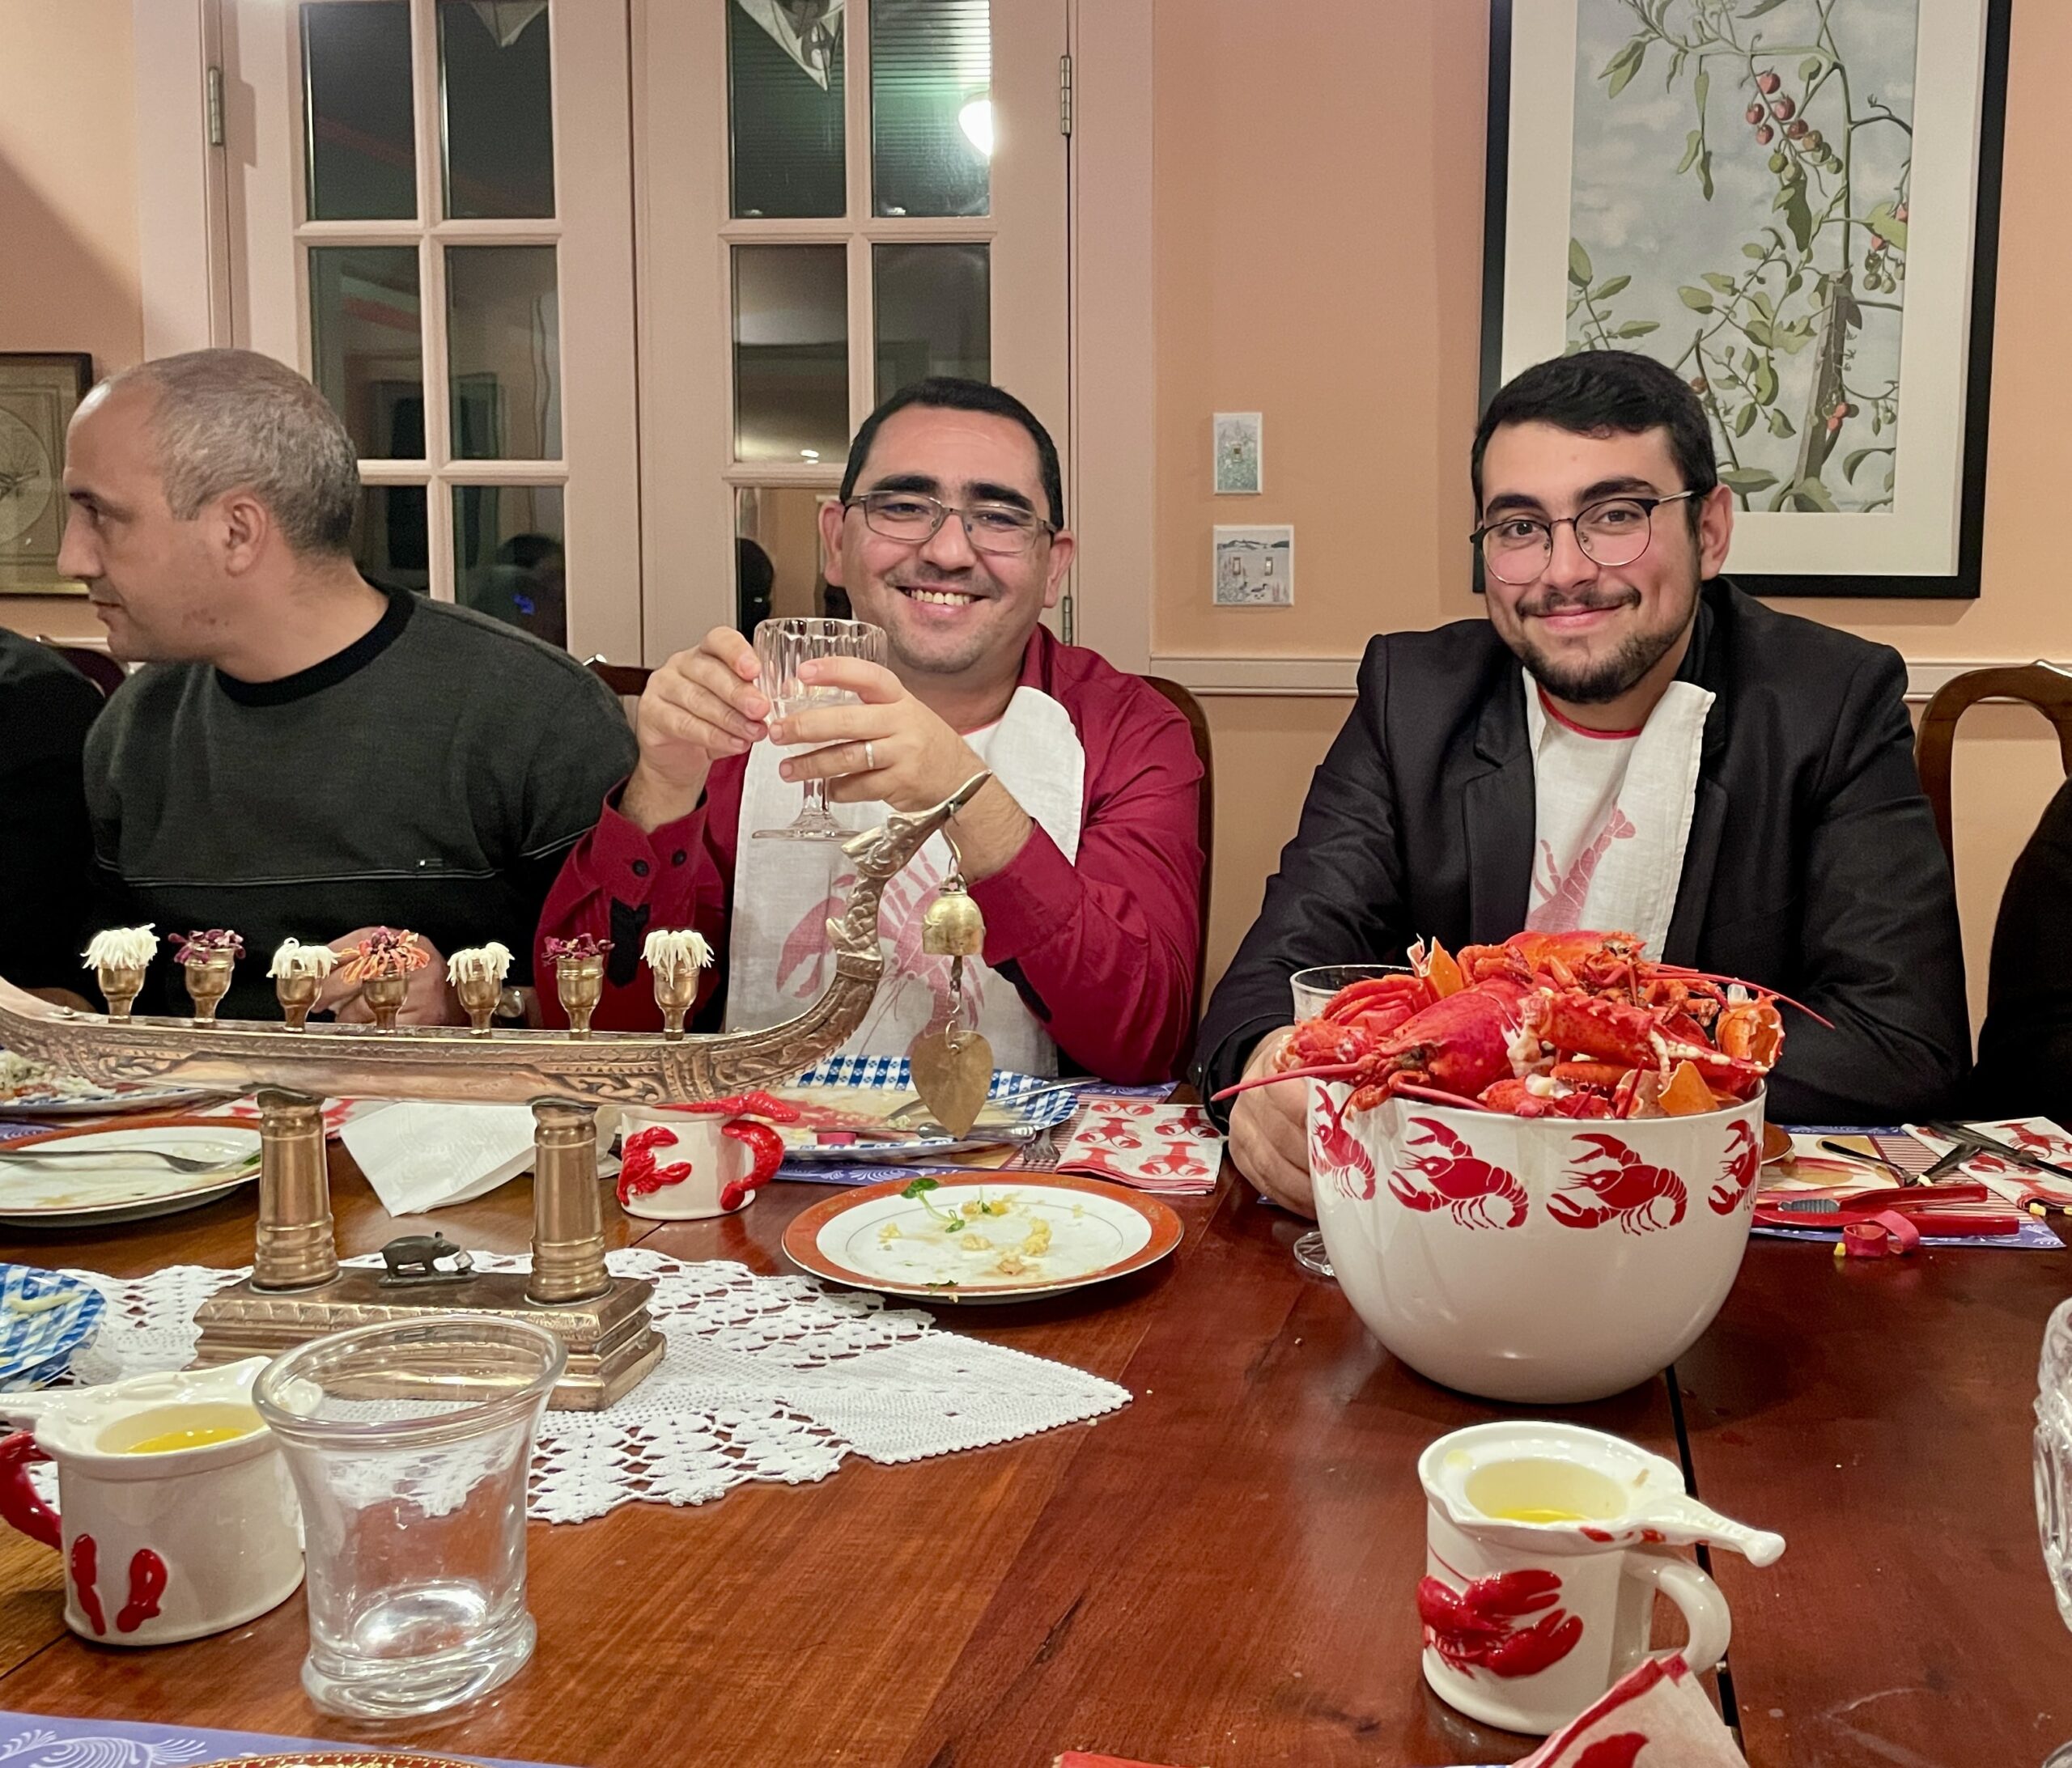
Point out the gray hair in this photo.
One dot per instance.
(224, 418)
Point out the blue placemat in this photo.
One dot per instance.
(893, 1071)
(38, 1740)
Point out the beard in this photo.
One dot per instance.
(1595, 681)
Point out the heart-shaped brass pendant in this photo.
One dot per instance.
(952, 1070)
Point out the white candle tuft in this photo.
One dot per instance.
(293, 958)
(669, 951)
(479, 963)
(122, 949)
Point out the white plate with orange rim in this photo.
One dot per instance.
(109, 1176)
(955, 1239)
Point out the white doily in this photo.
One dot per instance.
(771, 1378)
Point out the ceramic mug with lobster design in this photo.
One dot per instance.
(1546, 1545)
(176, 1514)
(685, 1164)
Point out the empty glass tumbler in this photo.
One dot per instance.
(1313, 990)
(409, 1446)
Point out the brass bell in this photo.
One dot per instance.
(954, 928)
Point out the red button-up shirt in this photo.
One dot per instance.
(1101, 948)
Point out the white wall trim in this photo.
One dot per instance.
(1114, 359)
(1335, 678)
(182, 266)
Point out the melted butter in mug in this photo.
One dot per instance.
(1524, 1514)
(195, 1436)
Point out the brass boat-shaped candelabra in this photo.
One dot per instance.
(297, 1289)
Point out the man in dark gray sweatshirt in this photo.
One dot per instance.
(305, 754)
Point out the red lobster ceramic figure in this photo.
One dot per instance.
(1546, 1024)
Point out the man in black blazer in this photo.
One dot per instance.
(1811, 864)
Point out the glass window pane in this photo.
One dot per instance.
(507, 557)
(931, 107)
(364, 337)
(791, 353)
(785, 102)
(503, 352)
(362, 154)
(777, 556)
(934, 313)
(389, 542)
(498, 85)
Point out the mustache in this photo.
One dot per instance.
(1557, 602)
(965, 583)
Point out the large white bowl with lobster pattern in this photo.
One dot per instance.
(1541, 1259)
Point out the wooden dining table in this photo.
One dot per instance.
(1222, 1572)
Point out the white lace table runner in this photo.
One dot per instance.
(770, 1378)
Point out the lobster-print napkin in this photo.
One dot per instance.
(2017, 1185)
(1657, 1717)
(1172, 1149)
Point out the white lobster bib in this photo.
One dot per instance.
(1611, 815)
(785, 892)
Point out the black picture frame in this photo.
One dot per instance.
(1964, 582)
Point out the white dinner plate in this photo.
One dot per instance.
(124, 1186)
(33, 1090)
(1042, 1234)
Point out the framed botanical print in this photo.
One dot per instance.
(1794, 203)
(38, 394)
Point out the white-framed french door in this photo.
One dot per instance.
(429, 213)
(833, 198)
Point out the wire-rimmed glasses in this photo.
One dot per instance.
(1612, 531)
(913, 517)
(781, 647)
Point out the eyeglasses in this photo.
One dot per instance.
(913, 517)
(1613, 532)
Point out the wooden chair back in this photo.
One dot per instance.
(1197, 728)
(2043, 685)
(628, 681)
(97, 665)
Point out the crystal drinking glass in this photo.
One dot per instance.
(409, 1446)
(1313, 989)
(781, 646)
(2053, 1465)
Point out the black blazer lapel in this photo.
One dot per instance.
(1703, 665)
(1498, 815)
(1694, 890)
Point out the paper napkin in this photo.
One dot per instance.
(1657, 1717)
(1172, 1149)
(420, 1157)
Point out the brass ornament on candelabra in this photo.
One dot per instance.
(297, 1289)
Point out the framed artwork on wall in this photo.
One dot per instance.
(1795, 203)
(39, 393)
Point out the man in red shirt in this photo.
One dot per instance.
(1082, 852)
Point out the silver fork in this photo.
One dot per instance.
(180, 1162)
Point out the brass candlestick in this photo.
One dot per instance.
(383, 995)
(121, 984)
(675, 991)
(208, 982)
(479, 996)
(675, 955)
(297, 994)
(579, 981)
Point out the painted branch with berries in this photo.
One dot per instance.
(1785, 341)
